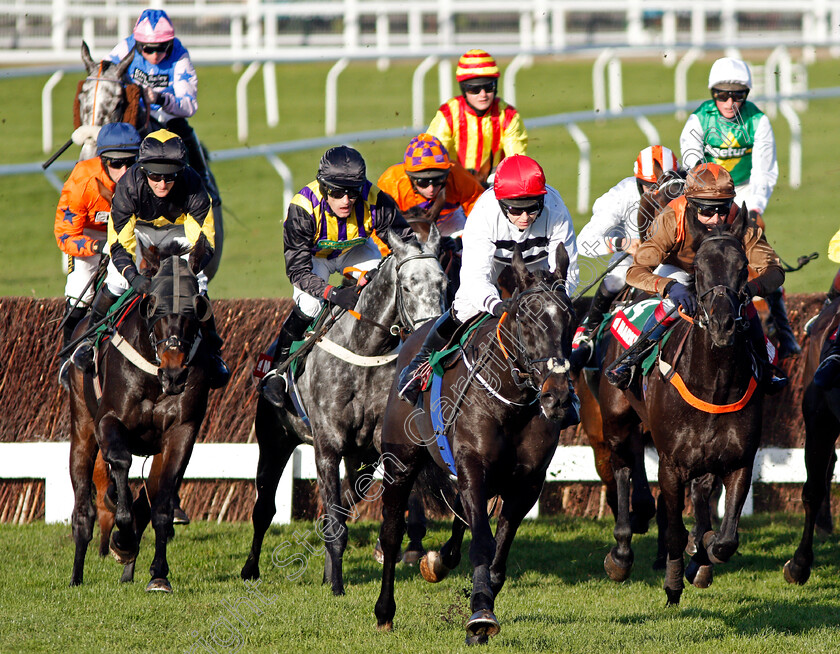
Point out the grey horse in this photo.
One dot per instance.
(345, 401)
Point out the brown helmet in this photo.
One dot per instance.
(709, 181)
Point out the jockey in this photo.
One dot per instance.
(158, 201)
(827, 373)
(429, 184)
(664, 263)
(519, 209)
(477, 126)
(730, 131)
(81, 221)
(332, 223)
(614, 229)
(162, 68)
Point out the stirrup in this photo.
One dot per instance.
(82, 357)
(273, 388)
(64, 374)
(621, 376)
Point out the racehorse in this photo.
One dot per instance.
(704, 411)
(821, 412)
(343, 389)
(149, 399)
(107, 96)
(502, 438)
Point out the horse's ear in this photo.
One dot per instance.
(561, 264)
(90, 64)
(432, 244)
(203, 308)
(739, 226)
(521, 276)
(147, 306)
(125, 62)
(395, 243)
(149, 259)
(198, 254)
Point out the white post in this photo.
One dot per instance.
(681, 80)
(526, 30)
(519, 61)
(332, 95)
(698, 25)
(787, 110)
(415, 29)
(728, 23)
(417, 90)
(253, 25)
(599, 93)
(444, 80)
(669, 38)
(351, 25)
(616, 86)
(286, 175)
(272, 110)
(383, 27)
(47, 112)
(242, 100)
(88, 32)
(834, 36)
(59, 25)
(650, 132)
(583, 167)
(558, 28)
(446, 24)
(541, 39)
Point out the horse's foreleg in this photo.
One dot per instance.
(672, 492)
(642, 504)
(416, 529)
(699, 570)
(329, 483)
(721, 545)
(275, 449)
(83, 450)
(619, 560)
(110, 438)
(400, 471)
(515, 506)
(821, 431)
(105, 516)
(435, 566)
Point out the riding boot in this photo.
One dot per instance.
(83, 355)
(771, 378)
(196, 156)
(828, 372)
(832, 295)
(787, 341)
(218, 373)
(273, 386)
(582, 343)
(622, 375)
(411, 378)
(74, 317)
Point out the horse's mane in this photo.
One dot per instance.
(133, 113)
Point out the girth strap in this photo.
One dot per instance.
(357, 359)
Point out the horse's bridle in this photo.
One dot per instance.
(736, 303)
(519, 359)
(409, 324)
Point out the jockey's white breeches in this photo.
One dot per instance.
(615, 279)
(667, 270)
(79, 288)
(363, 257)
(160, 237)
(452, 223)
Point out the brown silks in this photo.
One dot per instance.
(136, 113)
(77, 111)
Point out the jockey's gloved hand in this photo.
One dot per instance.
(97, 245)
(501, 307)
(682, 295)
(141, 284)
(345, 297)
(748, 292)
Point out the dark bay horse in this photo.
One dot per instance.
(704, 410)
(107, 96)
(343, 390)
(821, 412)
(149, 399)
(503, 435)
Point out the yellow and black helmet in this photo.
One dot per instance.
(162, 152)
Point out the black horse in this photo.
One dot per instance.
(821, 412)
(343, 389)
(703, 408)
(508, 398)
(154, 388)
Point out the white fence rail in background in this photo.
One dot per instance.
(51, 462)
(50, 30)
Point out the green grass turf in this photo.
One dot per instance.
(556, 599)
(800, 220)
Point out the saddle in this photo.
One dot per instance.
(444, 359)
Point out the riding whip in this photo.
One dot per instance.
(57, 154)
(606, 272)
(103, 263)
(800, 262)
(641, 341)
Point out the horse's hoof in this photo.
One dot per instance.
(708, 544)
(385, 626)
(673, 596)
(411, 557)
(180, 517)
(481, 627)
(378, 554)
(700, 576)
(795, 574)
(614, 570)
(159, 584)
(123, 557)
(691, 546)
(432, 567)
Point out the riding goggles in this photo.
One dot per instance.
(160, 177)
(154, 48)
(722, 96)
(338, 192)
(116, 164)
(475, 89)
(425, 182)
(709, 208)
(532, 210)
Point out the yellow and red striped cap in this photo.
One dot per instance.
(476, 63)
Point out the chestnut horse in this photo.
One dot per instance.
(503, 434)
(704, 410)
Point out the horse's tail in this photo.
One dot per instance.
(436, 489)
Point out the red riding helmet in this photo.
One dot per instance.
(518, 176)
(653, 161)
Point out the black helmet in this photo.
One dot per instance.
(342, 166)
(162, 152)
